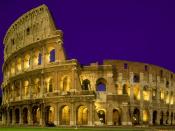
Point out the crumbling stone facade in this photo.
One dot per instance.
(42, 87)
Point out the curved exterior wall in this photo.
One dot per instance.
(42, 87)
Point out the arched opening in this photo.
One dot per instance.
(36, 90)
(146, 93)
(82, 115)
(171, 118)
(136, 116)
(25, 115)
(136, 92)
(161, 118)
(50, 85)
(26, 61)
(154, 117)
(17, 115)
(65, 115)
(39, 59)
(101, 84)
(10, 116)
(125, 91)
(49, 116)
(36, 115)
(136, 78)
(145, 116)
(86, 84)
(52, 55)
(65, 84)
(101, 115)
(116, 117)
(19, 64)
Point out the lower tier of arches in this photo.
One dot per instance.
(85, 114)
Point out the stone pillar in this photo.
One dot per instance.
(158, 118)
(141, 116)
(43, 56)
(125, 115)
(13, 116)
(30, 121)
(109, 115)
(150, 117)
(20, 116)
(73, 115)
(20, 88)
(56, 116)
(131, 88)
(90, 114)
(8, 117)
(42, 86)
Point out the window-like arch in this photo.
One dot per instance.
(50, 85)
(146, 93)
(136, 78)
(52, 55)
(65, 83)
(82, 115)
(19, 64)
(101, 115)
(25, 115)
(37, 85)
(65, 115)
(27, 61)
(125, 89)
(26, 88)
(101, 84)
(49, 116)
(86, 84)
(39, 59)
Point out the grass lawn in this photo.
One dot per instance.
(68, 129)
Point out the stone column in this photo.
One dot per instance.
(20, 116)
(125, 114)
(141, 116)
(20, 88)
(158, 118)
(73, 115)
(90, 114)
(150, 117)
(13, 116)
(131, 87)
(43, 56)
(42, 86)
(109, 115)
(56, 116)
(30, 121)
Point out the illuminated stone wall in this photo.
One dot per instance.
(42, 87)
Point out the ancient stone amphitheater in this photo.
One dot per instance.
(41, 87)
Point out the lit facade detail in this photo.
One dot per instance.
(42, 87)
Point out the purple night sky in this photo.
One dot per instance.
(136, 30)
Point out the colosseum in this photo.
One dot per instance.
(43, 88)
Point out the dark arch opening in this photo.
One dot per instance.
(136, 116)
(52, 55)
(101, 115)
(25, 115)
(101, 84)
(17, 115)
(154, 117)
(86, 85)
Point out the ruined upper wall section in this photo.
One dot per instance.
(35, 25)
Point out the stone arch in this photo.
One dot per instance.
(102, 115)
(37, 86)
(136, 92)
(171, 118)
(65, 83)
(10, 116)
(37, 60)
(86, 85)
(26, 61)
(116, 116)
(101, 84)
(136, 116)
(154, 117)
(49, 115)
(161, 117)
(146, 116)
(82, 115)
(25, 115)
(49, 84)
(36, 114)
(19, 64)
(17, 115)
(65, 115)
(125, 89)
